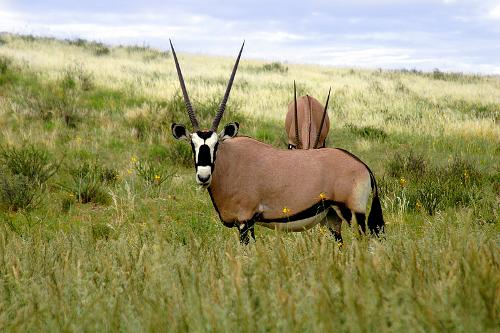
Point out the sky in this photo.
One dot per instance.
(451, 35)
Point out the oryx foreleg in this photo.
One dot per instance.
(245, 228)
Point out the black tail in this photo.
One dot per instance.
(375, 218)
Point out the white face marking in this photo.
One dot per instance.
(204, 171)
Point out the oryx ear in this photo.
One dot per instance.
(229, 131)
(180, 132)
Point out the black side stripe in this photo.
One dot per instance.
(314, 210)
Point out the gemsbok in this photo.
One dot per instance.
(307, 122)
(252, 182)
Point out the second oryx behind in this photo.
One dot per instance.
(307, 122)
(251, 182)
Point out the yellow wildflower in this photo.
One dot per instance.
(402, 181)
(322, 230)
(157, 178)
(129, 171)
(133, 159)
(285, 210)
(418, 205)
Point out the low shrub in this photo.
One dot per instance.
(76, 77)
(410, 163)
(89, 181)
(180, 153)
(24, 173)
(367, 132)
(274, 67)
(153, 174)
(8, 74)
(18, 192)
(4, 64)
(432, 188)
(99, 49)
(29, 161)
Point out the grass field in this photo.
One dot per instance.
(102, 227)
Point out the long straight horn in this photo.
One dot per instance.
(322, 119)
(297, 140)
(189, 107)
(222, 105)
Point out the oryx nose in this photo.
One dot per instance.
(203, 179)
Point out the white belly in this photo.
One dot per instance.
(299, 225)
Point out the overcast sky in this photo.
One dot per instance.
(454, 35)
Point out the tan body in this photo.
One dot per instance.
(309, 114)
(253, 179)
(252, 182)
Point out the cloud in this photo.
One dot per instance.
(494, 13)
(423, 34)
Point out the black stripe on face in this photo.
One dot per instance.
(204, 156)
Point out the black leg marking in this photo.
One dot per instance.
(360, 218)
(335, 225)
(228, 224)
(246, 230)
(346, 213)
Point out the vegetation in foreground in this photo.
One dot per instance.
(102, 227)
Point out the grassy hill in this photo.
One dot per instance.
(102, 227)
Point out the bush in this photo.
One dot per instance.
(275, 67)
(367, 132)
(29, 161)
(432, 188)
(180, 153)
(61, 99)
(153, 174)
(18, 192)
(7, 73)
(147, 53)
(77, 42)
(101, 231)
(413, 164)
(99, 49)
(76, 77)
(4, 64)
(24, 173)
(89, 181)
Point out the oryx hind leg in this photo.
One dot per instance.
(358, 203)
(361, 221)
(334, 220)
(334, 224)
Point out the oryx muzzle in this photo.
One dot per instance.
(252, 182)
(307, 122)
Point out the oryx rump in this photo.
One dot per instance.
(307, 122)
